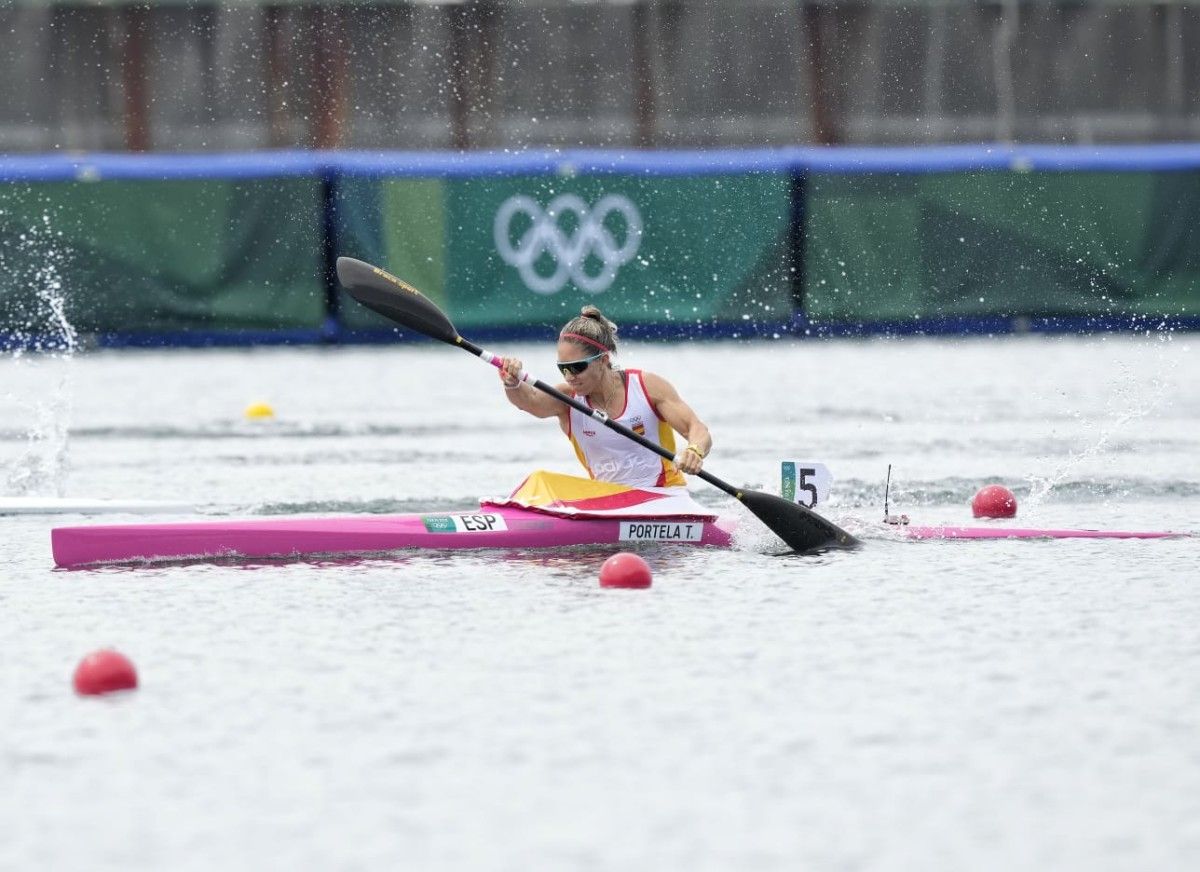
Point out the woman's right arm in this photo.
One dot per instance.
(525, 396)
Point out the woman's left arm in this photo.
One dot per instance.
(682, 419)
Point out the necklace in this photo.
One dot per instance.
(618, 390)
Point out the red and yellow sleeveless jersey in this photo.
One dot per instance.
(609, 456)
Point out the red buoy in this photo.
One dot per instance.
(625, 570)
(994, 501)
(104, 672)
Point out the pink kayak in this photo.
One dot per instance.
(503, 527)
(490, 527)
(1030, 533)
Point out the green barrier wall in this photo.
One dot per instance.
(646, 250)
(174, 250)
(168, 255)
(891, 247)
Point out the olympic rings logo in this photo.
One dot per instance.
(573, 254)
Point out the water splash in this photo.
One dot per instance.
(1129, 400)
(33, 318)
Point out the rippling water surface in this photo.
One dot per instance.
(941, 705)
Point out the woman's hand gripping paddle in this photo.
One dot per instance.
(802, 529)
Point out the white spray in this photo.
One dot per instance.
(33, 319)
(1129, 400)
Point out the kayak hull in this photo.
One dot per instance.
(507, 527)
(1032, 533)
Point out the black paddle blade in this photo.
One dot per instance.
(392, 298)
(802, 529)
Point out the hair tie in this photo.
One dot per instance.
(592, 342)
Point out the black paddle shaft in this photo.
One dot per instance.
(801, 528)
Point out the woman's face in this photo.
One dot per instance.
(588, 380)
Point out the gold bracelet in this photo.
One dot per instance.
(692, 448)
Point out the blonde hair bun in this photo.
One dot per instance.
(592, 325)
(595, 314)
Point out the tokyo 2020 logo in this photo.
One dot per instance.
(584, 245)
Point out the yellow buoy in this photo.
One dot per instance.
(259, 411)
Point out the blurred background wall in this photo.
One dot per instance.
(411, 74)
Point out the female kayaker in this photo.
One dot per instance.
(644, 402)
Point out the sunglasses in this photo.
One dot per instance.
(575, 367)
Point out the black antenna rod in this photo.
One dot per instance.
(886, 487)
